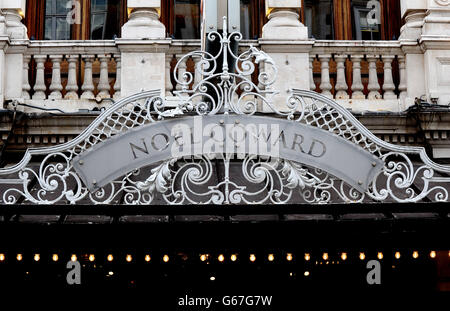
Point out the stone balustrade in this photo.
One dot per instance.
(71, 71)
(89, 71)
(358, 70)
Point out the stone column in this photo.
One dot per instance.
(143, 21)
(14, 12)
(285, 40)
(143, 61)
(413, 12)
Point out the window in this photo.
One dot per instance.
(56, 25)
(105, 21)
(246, 19)
(365, 26)
(319, 19)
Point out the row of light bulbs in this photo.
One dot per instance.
(221, 257)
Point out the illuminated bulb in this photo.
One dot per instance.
(270, 257)
(306, 273)
(166, 258)
(252, 257)
(325, 256)
(74, 257)
(397, 255)
(128, 258)
(55, 257)
(307, 257)
(344, 256)
(212, 278)
(221, 258)
(415, 254)
(147, 258)
(91, 257)
(289, 257)
(111, 273)
(362, 256)
(2, 257)
(203, 257)
(110, 257)
(449, 254)
(19, 257)
(380, 255)
(37, 257)
(433, 254)
(233, 257)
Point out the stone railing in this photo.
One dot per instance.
(65, 71)
(362, 75)
(361, 70)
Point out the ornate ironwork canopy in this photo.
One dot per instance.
(144, 150)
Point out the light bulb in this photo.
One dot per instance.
(252, 257)
(128, 258)
(73, 257)
(203, 257)
(110, 257)
(271, 257)
(380, 255)
(433, 254)
(2, 257)
(344, 256)
(325, 256)
(289, 257)
(306, 273)
(166, 258)
(55, 257)
(91, 257)
(362, 256)
(221, 258)
(415, 254)
(397, 255)
(19, 257)
(307, 257)
(147, 258)
(233, 257)
(37, 257)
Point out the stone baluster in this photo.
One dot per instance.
(88, 84)
(357, 86)
(39, 87)
(325, 84)
(103, 84)
(118, 83)
(373, 86)
(169, 86)
(402, 70)
(181, 71)
(25, 83)
(388, 85)
(72, 84)
(341, 84)
(56, 86)
(312, 85)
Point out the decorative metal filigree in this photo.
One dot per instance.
(408, 174)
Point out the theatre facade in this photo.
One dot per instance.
(269, 120)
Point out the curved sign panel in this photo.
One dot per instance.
(226, 135)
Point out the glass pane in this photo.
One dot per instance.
(61, 7)
(366, 21)
(48, 7)
(187, 19)
(105, 23)
(246, 19)
(48, 29)
(62, 29)
(319, 19)
(99, 5)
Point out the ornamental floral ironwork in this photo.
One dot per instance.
(47, 175)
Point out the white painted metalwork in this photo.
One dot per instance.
(47, 175)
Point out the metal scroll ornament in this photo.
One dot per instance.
(47, 175)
